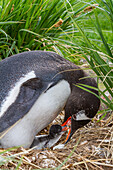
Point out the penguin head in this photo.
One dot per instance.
(55, 130)
(80, 108)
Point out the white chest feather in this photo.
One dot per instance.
(43, 112)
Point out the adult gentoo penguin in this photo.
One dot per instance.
(35, 87)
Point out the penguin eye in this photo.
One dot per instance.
(74, 116)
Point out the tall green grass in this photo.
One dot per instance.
(29, 25)
(99, 52)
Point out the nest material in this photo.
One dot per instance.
(93, 151)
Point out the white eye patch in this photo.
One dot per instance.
(81, 116)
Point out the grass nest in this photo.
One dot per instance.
(91, 147)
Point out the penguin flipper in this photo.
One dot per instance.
(29, 93)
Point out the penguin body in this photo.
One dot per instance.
(35, 87)
(38, 117)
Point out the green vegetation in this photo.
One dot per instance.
(100, 50)
(30, 25)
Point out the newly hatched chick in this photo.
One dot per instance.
(47, 141)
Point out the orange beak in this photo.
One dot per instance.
(67, 126)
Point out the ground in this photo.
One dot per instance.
(91, 147)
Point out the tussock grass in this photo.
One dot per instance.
(99, 55)
(36, 25)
